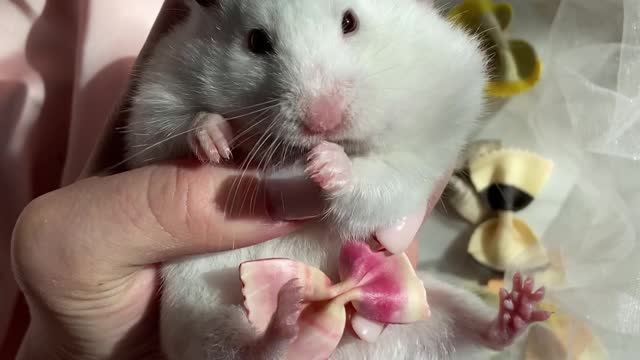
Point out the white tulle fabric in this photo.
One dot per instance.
(587, 120)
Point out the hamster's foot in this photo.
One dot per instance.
(329, 166)
(284, 328)
(284, 324)
(210, 138)
(516, 312)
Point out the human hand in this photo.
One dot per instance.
(85, 255)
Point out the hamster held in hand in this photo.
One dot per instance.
(372, 99)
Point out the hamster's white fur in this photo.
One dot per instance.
(413, 87)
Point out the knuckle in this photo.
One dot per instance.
(29, 239)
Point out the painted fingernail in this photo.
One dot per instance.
(366, 329)
(293, 198)
(396, 239)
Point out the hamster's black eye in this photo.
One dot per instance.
(260, 42)
(349, 22)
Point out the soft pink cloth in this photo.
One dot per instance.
(63, 67)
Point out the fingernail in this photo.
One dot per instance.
(396, 239)
(366, 329)
(293, 197)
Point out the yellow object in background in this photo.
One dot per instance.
(514, 64)
(494, 285)
(508, 180)
(489, 186)
(563, 337)
(506, 241)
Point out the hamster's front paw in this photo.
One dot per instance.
(210, 138)
(329, 166)
(516, 312)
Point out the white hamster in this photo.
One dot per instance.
(382, 93)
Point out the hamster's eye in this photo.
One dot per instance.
(349, 22)
(260, 42)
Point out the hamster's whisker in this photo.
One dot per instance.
(444, 206)
(235, 187)
(150, 147)
(236, 183)
(264, 163)
(138, 134)
(264, 116)
(457, 15)
(480, 33)
(445, 5)
(285, 153)
(259, 168)
(252, 155)
(247, 138)
(381, 49)
(443, 195)
(252, 112)
(268, 102)
(278, 142)
(172, 135)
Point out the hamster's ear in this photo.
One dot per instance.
(207, 3)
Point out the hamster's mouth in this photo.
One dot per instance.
(284, 152)
(307, 142)
(281, 145)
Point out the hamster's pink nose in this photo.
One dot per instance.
(325, 113)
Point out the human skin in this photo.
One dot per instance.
(86, 255)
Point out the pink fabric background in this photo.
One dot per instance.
(63, 67)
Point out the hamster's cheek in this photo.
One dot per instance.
(242, 66)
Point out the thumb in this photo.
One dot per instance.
(144, 216)
(187, 210)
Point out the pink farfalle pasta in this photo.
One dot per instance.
(380, 286)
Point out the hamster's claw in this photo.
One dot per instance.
(329, 166)
(516, 312)
(210, 138)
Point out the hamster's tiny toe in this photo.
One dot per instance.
(516, 311)
(538, 295)
(210, 140)
(329, 166)
(517, 281)
(540, 315)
